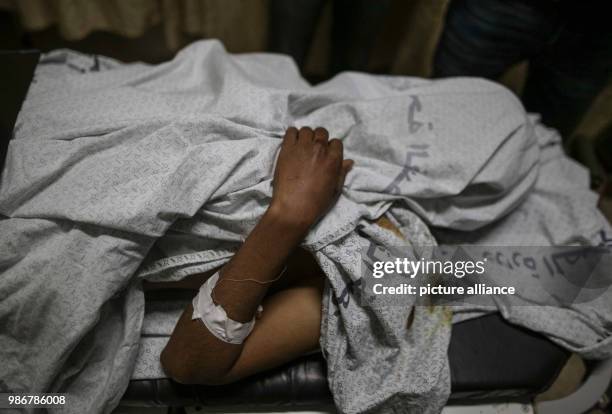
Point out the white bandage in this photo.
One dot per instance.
(215, 318)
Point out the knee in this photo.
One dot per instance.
(180, 368)
(176, 367)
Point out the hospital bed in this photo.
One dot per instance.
(491, 361)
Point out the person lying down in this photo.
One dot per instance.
(224, 335)
(110, 159)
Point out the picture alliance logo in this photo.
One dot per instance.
(442, 290)
(462, 274)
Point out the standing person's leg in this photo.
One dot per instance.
(485, 38)
(355, 29)
(292, 26)
(563, 82)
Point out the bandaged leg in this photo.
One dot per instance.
(215, 318)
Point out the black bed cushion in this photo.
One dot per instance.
(16, 71)
(490, 361)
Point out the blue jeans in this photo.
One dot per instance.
(568, 45)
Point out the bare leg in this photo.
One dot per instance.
(288, 328)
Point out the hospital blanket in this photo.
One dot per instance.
(108, 159)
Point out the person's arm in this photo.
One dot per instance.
(309, 173)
